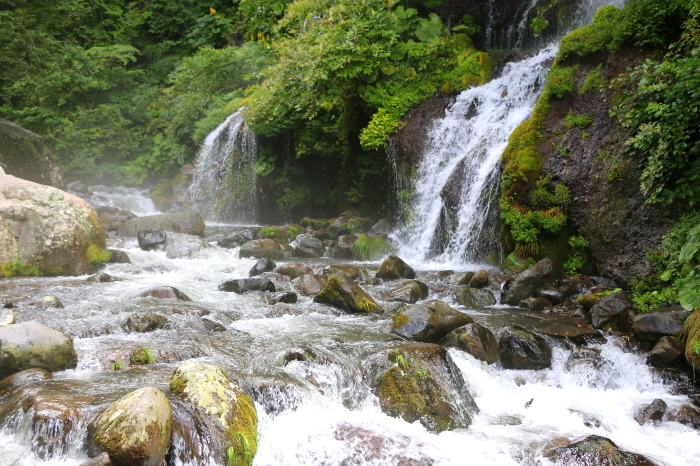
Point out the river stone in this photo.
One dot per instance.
(351, 272)
(142, 323)
(480, 279)
(308, 246)
(261, 266)
(183, 246)
(382, 227)
(667, 352)
(100, 460)
(686, 415)
(244, 285)
(475, 340)
(338, 227)
(409, 292)
(46, 228)
(25, 377)
(474, 297)
(293, 269)
(236, 239)
(32, 344)
(346, 295)
(50, 301)
(607, 309)
(651, 412)
(135, 430)
(535, 304)
(551, 293)
(188, 222)
(25, 155)
(520, 349)
(666, 321)
(393, 268)
(460, 278)
(209, 389)
(310, 284)
(150, 240)
(118, 257)
(594, 450)
(287, 297)
(259, 248)
(428, 322)
(165, 292)
(7, 316)
(101, 277)
(343, 247)
(420, 382)
(526, 283)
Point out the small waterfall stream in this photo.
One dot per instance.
(223, 185)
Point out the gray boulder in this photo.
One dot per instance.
(409, 292)
(480, 279)
(607, 310)
(651, 412)
(261, 266)
(474, 297)
(460, 278)
(100, 460)
(183, 246)
(259, 248)
(343, 247)
(526, 283)
(552, 293)
(668, 351)
(344, 294)
(24, 155)
(142, 323)
(475, 340)
(32, 344)
(520, 349)
(686, 415)
(661, 322)
(165, 292)
(393, 267)
(188, 222)
(535, 304)
(151, 240)
(293, 270)
(21, 378)
(428, 322)
(308, 246)
(310, 284)
(117, 256)
(244, 285)
(50, 301)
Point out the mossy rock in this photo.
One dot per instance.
(594, 450)
(475, 340)
(520, 349)
(428, 321)
(209, 389)
(346, 295)
(410, 292)
(32, 344)
(393, 267)
(420, 382)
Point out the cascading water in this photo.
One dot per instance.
(223, 185)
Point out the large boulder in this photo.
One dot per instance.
(308, 246)
(135, 430)
(668, 351)
(24, 155)
(654, 411)
(244, 285)
(261, 266)
(310, 284)
(609, 309)
(520, 349)
(474, 297)
(480, 279)
(151, 240)
(661, 322)
(420, 382)
(594, 450)
(46, 230)
(293, 269)
(189, 222)
(686, 415)
(475, 340)
(259, 248)
(21, 378)
(346, 295)
(209, 389)
(409, 292)
(33, 344)
(393, 267)
(343, 247)
(543, 273)
(429, 321)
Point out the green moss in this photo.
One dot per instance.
(597, 36)
(117, 366)
(399, 320)
(370, 247)
(270, 232)
(142, 356)
(293, 231)
(96, 255)
(580, 121)
(17, 267)
(594, 81)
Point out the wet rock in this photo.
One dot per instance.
(293, 270)
(667, 352)
(346, 295)
(474, 297)
(409, 292)
(302, 354)
(261, 266)
(393, 268)
(382, 227)
(526, 283)
(165, 292)
(142, 323)
(100, 460)
(32, 344)
(578, 333)
(420, 382)
(551, 293)
(594, 450)
(209, 389)
(112, 218)
(188, 222)
(183, 246)
(308, 246)
(363, 446)
(281, 311)
(625, 320)
(652, 325)
(101, 278)
(480, 279)
(24, 154)
(259, 248)
(607, 309)
(584, 359)
(475, 340)
(343, 247)
(25, 377)
(286, 297)
(151, 240)
(535, 304)
(310, 284)
(197, 437)
(338, 227)
(460, 278)
(7, 316)
(50, 301)
(135, 430)
(520, 349)
(237, 239)
(351, 272)
(205, 325)
(429, 321)
(244, 285)
(651, 412)
(118, 257)
(274, 395)
(686, 415)
(142, 356)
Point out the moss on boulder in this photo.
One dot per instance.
(33, 344)
(346, 295)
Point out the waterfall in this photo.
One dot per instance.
(453, 211)
(223, 185)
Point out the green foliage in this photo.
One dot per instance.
(544, 198)
(561, 81)
(369, 247)
(142, 356)
(117, 366)
(577, 260)
(593, 81)
(210, 30)
(96, 255)
(538, 25)
(17, 267)
(580, 121)
(651, 299)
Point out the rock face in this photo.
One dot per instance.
(524, 286)
(667, 321)
(608, 309)
(189, 222)
(244, 285)
(47, 228)
(24, 155)
(474, 297)
(475, 340)
(212, 393)
(393, 268)
(420, 382)
(135, 431)
(594, 451)
(410, 292)
(259, 248)
(520, 349)
(346, 295)
(428, 322)
(32, 344)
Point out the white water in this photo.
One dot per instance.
(136, 201)
(223, 184)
